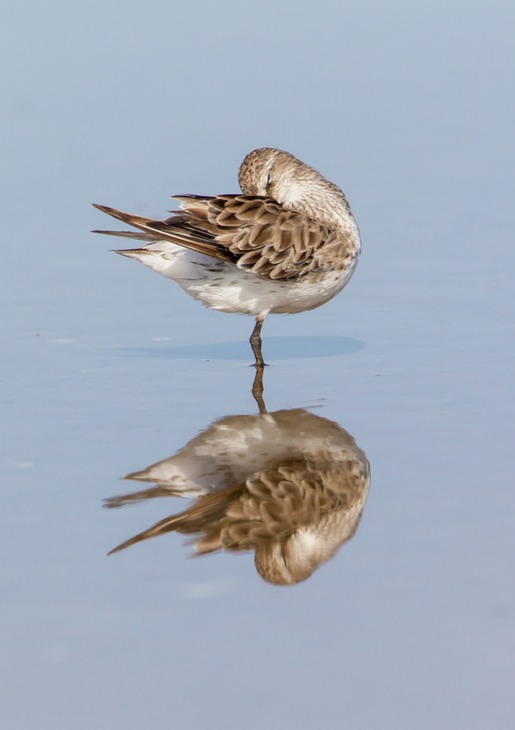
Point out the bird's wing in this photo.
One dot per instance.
(251, 232)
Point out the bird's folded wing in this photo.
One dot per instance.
(251, 232)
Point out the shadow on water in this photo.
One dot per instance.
(277, 348)
(288, 485)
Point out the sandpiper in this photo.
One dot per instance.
(288, 243)
(289, 486)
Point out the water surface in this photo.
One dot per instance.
(107, 367)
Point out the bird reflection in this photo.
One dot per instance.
(288, 485)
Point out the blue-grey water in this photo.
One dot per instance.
(107, 367)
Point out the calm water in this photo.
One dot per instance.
(108, 368)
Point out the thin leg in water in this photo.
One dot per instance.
(255, 341)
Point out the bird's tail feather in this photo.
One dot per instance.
(136, 236)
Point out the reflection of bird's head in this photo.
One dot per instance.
(292, 560)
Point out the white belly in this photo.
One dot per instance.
(227, 288)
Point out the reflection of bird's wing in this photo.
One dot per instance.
(150, 493)
(268, 507)
(206, 510)
(251, 232)
(297, 494)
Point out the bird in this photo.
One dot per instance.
(289, 485)
(287, 243)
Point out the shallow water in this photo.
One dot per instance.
(107, 368)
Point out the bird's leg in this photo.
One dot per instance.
(258, 389)
(255, 342)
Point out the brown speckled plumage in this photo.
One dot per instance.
(288, 243)
(290, 499)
